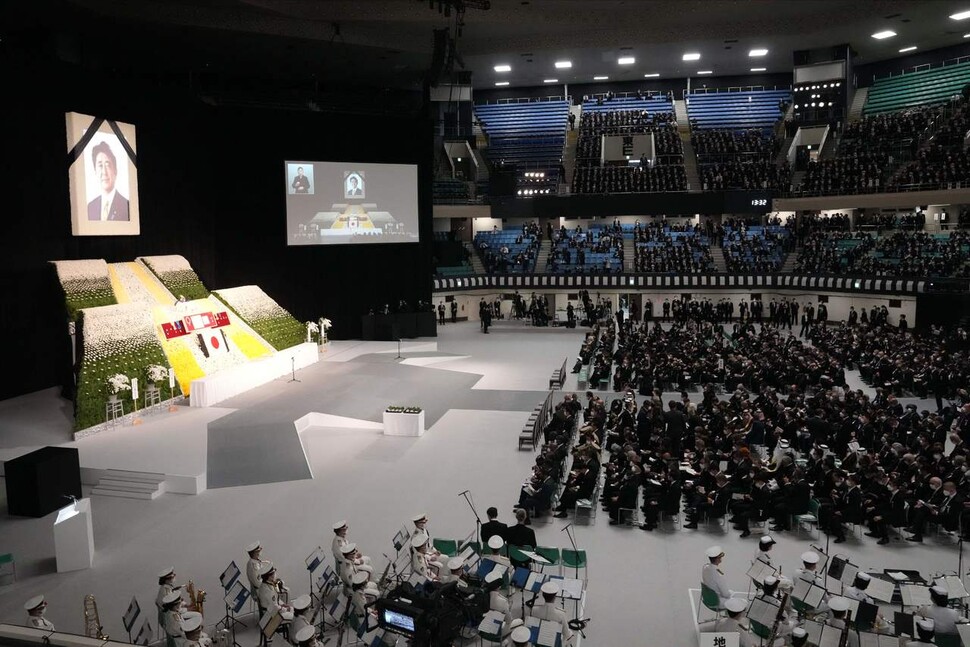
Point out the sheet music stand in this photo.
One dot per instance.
(235, 598)
(312, 562)
(128, 620)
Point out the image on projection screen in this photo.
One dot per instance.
(334, 203)
(103, 176)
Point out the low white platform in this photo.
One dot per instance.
(213, 389)
(404, 424)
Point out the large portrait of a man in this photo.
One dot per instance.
(354, 184)
(103, 176)
(110, 203)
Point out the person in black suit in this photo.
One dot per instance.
(492, 527)
(847, 508)
(888, 511)
(793, 499)
(715, 503)
(301, 183)
(110, 205)
(353, 187)
(943, 507)
(521, 535)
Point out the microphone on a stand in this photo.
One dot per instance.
(463, 493)
(565, 527)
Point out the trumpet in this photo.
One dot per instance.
(92, 621)
(196, 598)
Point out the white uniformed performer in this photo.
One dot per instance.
(495, 546)
(497, 601)
(302, 611)
(166, 584)
(35, 608)
(769, 592)
(421, 528)
(839, 605)
(809, 571)
(192, 627)
(359, 600)
(350, 566)
(712, 576)
(858, 589)
(269, 595)
(944, 618)
(172, 619)
(552, 611)
(455, 572)
(420, 562)
(799, 637)
(254, 549)
(735, 608)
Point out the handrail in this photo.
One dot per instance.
(552, 97)
(892, 188)
(923, 67)
(734, 88)
(646, 94)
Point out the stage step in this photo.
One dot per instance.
(130, 485)
(125, 494)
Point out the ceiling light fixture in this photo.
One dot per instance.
(501, 83)
(758, 69)
(911, 48)
(503, 68)
(652, 75)
(757, 52)
(626, 60)
(550, 80)
(880, 35)
(563, 65)
(693, 56)
(600, 78)
(706, 72)
(962, 15)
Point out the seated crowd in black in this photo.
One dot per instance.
(629, 179)
(745, 175)
(789, 432)
(899, 254)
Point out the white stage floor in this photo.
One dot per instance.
(638, 581)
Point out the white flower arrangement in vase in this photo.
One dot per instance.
(156, 373)
(311, 329)
(325, 325)
(118, 383)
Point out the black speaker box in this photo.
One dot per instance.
(38, 482)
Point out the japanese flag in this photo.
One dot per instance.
(213, 342)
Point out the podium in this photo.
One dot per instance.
(74, 537)
(404, 424)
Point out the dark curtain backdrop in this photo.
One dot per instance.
(211, 188)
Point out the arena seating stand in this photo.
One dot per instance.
(598, 255)
(733, 110)
(653, 104)
(922, 88)
(528, 134)
(490, 247)
(755, 248)
(450, 191)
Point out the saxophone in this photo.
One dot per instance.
(196, 598)
(92, 621)
(778, 618)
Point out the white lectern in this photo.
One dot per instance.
(74, 537)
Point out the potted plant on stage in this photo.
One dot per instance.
(312, 332)
(325, 326)
(116, 384)
(157, 374)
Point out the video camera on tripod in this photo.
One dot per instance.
(432, 616)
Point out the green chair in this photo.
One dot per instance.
(8, 569)
(574, 559)
(760, 630)
(447, 547)
(947, 640)
(810, 518)
(799, 606)
(516, 555)
(552, 555)
(711, 601)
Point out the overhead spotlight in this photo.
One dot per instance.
(502, 68)
(966, 35)
(600, 78)
(758, 69)
(550, 80)
(813, 104)
(911, 48)
(563, 65)
(652, 75)
(626, 60)
(502, 83)
(888, 33)
(519, 192)
(692, 56)
(705, 72)
(830, 104)
(962, 15)
(796, 106)
(757, 52)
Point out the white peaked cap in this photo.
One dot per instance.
(810, 557)
(191, 622)
(348, 548)
(165, 572)
(171, 597)
(418, 540)
(266, 569)
(253, 546)
(305, 634)
(34, 602)
(495, 542)
(521, 635)
(419, 517)
(301, 602)
(340, 524)
(839, 603)
(455, 563)
(359, 577)
(550, 588)
(714, 551)
(735, 605)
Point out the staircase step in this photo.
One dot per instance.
(112, 484)
(136, 477)
(126, 494)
